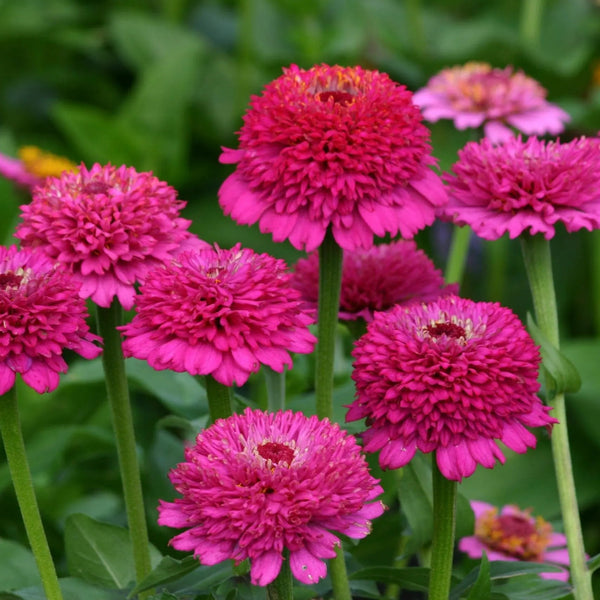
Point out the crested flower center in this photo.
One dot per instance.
(338, 97)
(517, 534)
(95, 187)
(10, 279)
(453, 330)
(276, 452)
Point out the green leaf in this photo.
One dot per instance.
(72, 589)
(562, 371)
(168, 569)
(17, 566)
(594, 563)
(482, 587)
(99, 553)
(410, 578)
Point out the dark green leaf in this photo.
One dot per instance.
(410, 578)
(594, 563)
(168, 569)
(482, 587)
(17, 566)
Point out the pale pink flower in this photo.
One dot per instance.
(256, 484)
(41, 315)
(514, 534)
(109, 226)
(219, 312)
(453, 376)
(525, 185)
(338, 147)
(477, 94)
(376, 279)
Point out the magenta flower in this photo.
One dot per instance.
(477, 94)
(108, 225)
(515, 534)
(376, 279)
(41, 315)
(335, 147)
(258, 483)
(221, 313)
(453, 376)
(524, 185)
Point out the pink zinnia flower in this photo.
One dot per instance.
(515, 534)
(108, 225)
(335, 147)
(525, 185)
(258, 483)
(221, 313)
(41, 315)
(452, 376)
(477, 94)
(376, 279)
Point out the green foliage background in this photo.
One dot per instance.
(161, 85)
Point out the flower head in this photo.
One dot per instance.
(221, 313)
(108, 225)
(514, 534)
(477, 94)
(335, 147)
(258, 483)
(453, 376)
(41, 314)
(522, 185)
(33, 166)
(376, 279)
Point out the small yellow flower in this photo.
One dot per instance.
(44, 164)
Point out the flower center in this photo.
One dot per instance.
(10, 279)
(446, 328)
(276, 452)
(95, 187)
(516, 534)
(338, 97)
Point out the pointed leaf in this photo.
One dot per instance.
(482, 588)
(594, 563)
(410, 578)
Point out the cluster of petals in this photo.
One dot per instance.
(256, 484)
(332, 147)
(376, 279)
(514, 534)
(108, 225)
(525, 185)
(33, 166)
(452, 377)
(475, 95)
(219, 312)
(41, 315)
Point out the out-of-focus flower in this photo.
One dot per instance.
(525, 185)
(477, 94)
(514, 534)
(453, 376)
(219, 312)
(260, 483)
(335, 147)
(376, 279)
(109, 226)
(41, 315)
(33, 166)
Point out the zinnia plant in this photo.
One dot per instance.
(515, 534)
(272, 488)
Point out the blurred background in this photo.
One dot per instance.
(162, 85)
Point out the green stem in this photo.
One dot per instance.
(538, 263)
(496, 268)
(18, 465)
(275, 389)
(281, 588)
(330, 281)
(122, 420)
(442, 545)
(459, 250)
(531, 20)
(219, 399)
(339, 576)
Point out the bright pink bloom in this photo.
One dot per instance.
(515, 534)
(221, 313)
(523, 185)
(41, 315)
(108, 225)
(15, 170)
(453, 376)
(258, 483)
(376, 279)
(335, 147)
(477, 94)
